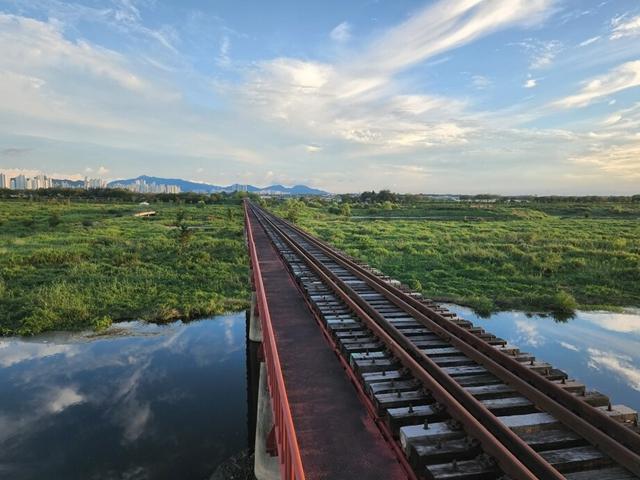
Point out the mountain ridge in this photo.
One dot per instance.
(201, 187)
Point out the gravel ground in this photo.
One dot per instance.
(237, 467)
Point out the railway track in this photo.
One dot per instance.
(454, 401)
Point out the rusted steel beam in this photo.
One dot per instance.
(425, 370)
(620, 443)
(288, 450)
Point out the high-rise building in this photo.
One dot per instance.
(20, 182)
(3, 181)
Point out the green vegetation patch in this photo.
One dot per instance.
(67, 265)
(553, 256)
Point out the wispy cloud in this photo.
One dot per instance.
(624, 26)
(341, 33)
(620, 78)
(541, 53)
(64, 398)
(223, 55)
(531, 83)
(620, 366)
(481, 82)
(589, 41)
(356, 99)
(569, 346)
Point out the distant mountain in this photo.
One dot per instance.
(185, 185)
(188, 186)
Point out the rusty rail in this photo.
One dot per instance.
(614, 439)
(620, 443)
(531, 468)
(288, 449)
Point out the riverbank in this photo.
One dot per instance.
(70, 266)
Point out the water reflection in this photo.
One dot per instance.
(600, 349)
(139, 402)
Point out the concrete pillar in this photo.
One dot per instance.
(255, 329)
(266, 467)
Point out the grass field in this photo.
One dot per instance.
(77, 265)
(552, 257)
(69, 265)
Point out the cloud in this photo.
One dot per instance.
(529, 333)
(14, 352)
(620, 78)
(103, 170)
(223, 59)
(42, 44)
(14, 152)
(616, 160)
(357, 100)
(541, 53)
(620, 365)
(531, 83)
(313, 148)
(64, 398)
(615, 322)
(569, 346)
(446, 25)
(481, 82)
(589, 41)
(341, 33)
(625, 27)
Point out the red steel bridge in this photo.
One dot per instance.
(365, 379)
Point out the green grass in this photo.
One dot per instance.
(83, 265)
(538, 257)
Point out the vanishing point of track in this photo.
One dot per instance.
(454, 401)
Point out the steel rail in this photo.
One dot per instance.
(353, 378)
(619, 442)
(286, 440)
(525, 463)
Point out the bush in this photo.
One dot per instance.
(563, 302)
(54, 220)
(87, 223)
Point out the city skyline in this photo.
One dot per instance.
(470, 96)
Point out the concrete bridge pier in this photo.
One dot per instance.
(255, 329)
(266, 466)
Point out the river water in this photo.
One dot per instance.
(600, 349)
(142, 401)
(166, 402)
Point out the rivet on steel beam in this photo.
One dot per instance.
(384, 373)
(398, 393)
(532, 361)
(439, 444)
(609, 407)
(410, 408)
(563, 381)
(425, 425)
(393, 383)
(454, 465)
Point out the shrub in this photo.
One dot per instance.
(563, 302)
(54, 220)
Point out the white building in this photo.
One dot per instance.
(94, 183)
(19, 182)
(40, 181)
(3, 181)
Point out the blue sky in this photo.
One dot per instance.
(504, 96)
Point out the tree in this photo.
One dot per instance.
(345, 210)
(293, 208)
